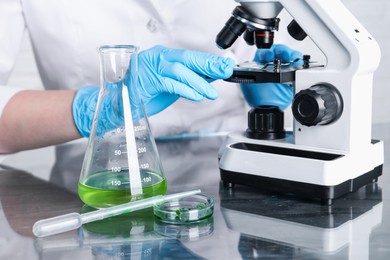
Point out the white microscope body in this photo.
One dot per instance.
(326, 157)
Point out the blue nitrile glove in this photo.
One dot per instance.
(164, 75)
(271, 94)
(167, 74)
(111, 109)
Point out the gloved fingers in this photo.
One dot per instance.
(264, 55)
(83, 108)
(189, 78)
(277, 51)
(210, 65)
(286, 54)
(173, 86)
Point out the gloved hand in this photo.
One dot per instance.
(167, 74)
(164, 75)
(271, 94)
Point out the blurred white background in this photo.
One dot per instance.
(372, 14)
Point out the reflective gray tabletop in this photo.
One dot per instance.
(246, 224)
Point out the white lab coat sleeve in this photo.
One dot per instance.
(12, 27)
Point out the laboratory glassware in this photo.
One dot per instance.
(63, 223)
(121, 163)
(191, 209)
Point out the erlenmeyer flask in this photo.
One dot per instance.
(121, 163)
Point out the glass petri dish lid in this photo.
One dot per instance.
(186, 210)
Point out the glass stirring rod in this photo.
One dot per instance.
(67, 222)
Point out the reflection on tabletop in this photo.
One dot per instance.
(292, 228)
(246, 223)
(132, 234)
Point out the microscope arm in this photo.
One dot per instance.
(352, 56)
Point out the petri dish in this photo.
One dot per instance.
(192, 231)
(186, 210)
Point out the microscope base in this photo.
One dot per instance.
(305, 190)
(280, 167)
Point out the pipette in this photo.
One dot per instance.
(67, 222)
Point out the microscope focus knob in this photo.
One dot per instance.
(265, 122)
(318, 105)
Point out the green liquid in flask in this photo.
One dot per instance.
(107, 188)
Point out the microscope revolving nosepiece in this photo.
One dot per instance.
(257, 30)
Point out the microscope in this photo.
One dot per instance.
(329, 151)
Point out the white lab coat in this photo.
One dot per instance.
(65, 35)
